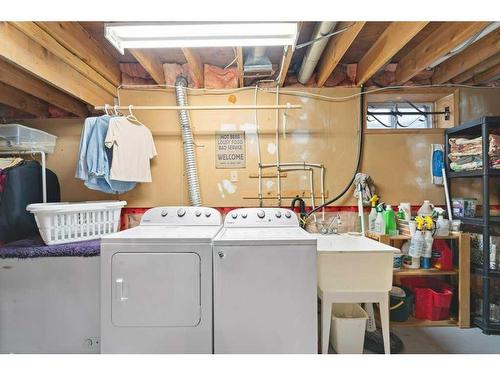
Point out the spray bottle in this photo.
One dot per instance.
(417, 241)
(373, 213)
(427, 250)
(390, 221)
(379, 221)
(442, 224)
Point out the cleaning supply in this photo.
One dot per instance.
(379, 221)
(442, 257)
(442, 224)
(426, 209)
(437, 163)
(373, 213)
(401, 213)
(417, 241)
(390, 221)
(425, 261)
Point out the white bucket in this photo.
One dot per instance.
(347, 331)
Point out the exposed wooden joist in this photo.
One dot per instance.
(239, 65)
(444, 39)
(287, 59)
(76, 39)
(395, 37)
(27, 54)
(20, 100)
(151, 63)
(23, 81)
(481, 67)
(195, 63)
(486, 76)
(335, 50)
(40, 36)
(472, 55)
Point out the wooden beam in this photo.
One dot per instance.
(195, 63)
(20, 100)
(395, 37)
(486, 76)
(481, 67)
(444, 39)
(76, 39)
(25, 53)
(239, 64)
(36, 33)
(287, 59)
(23, 81)
(474, 54)
(150, 61)
(335, 50)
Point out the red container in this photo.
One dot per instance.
(432, 297)
(442, 257)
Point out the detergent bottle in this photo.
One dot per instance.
(425, 261)
(390, 221)
(379, 221)
(417, 241)
(373, 213)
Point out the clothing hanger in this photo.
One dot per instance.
(106, 109)
(131, 116)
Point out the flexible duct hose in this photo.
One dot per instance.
(188, 144)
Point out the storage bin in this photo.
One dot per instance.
(72, 222)
(17, 137)
(347, 331)
(432, 297)
(400, 307)
(464, 207)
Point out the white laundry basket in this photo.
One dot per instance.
(347, 331)
(71, 222)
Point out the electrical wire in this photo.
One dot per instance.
(329, 35)
(235, 58)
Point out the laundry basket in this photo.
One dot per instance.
(72, 222)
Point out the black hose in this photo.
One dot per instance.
(358, 162)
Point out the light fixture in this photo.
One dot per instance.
(177, 35)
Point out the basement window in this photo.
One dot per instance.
(398, 116)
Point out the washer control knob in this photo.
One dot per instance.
(244, 215)
(208, 213)
(181, 212)
(261, 214)
(234, 215)
(164, 213)
(197, 213)
(288, 215)
(278, 214)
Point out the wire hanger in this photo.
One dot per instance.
(131, 116)
(106, 109)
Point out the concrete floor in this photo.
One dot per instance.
(447, 340)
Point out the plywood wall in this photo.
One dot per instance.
(322, 132)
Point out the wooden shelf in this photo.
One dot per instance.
(413, 322)
(424, 272)
(403, 237)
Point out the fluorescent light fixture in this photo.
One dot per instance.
(177, 35)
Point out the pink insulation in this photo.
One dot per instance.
(171, 72)
(219, 78)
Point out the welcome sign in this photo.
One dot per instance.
(230, 149)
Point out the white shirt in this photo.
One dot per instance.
(133, 147)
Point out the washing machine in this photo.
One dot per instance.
(156, 283)
(265, 284)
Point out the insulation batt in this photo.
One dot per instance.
(218, 78)
(171, 72)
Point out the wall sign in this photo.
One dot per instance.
(230, 149)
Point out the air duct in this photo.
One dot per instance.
(188, 144)
(257, 64)
(315, 50)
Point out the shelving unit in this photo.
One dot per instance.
(461, 272)
(480, 127)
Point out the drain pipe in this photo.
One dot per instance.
(188, 144)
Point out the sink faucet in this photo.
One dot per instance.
(334, 229)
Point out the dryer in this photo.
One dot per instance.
(156, 283)
(265, 284)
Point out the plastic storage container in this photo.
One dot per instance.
(464, 207)
(72, 222)
(401, 307)
(17, 137)
(347, 331)
(432, 297)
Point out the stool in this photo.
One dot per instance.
(329, 297)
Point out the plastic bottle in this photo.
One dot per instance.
(379, 221)
(426, 209)
(417, 241)
(390, 221)
(442, 224)
(373, 213)
(428, 240)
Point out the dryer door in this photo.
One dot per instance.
(156, 289)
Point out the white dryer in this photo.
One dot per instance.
(156, 283)
(265, 284)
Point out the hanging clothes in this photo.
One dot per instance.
(133, 148)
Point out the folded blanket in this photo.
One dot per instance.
(34, 248)
(494, 145)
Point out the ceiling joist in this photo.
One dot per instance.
(336, 48)
(23, 81)
(287, 59)
(25, 53)
(239, 66)
(195, 63)
(444, 39)
(395, 37)
(479, 68)
(151, 63)
(20, 100)
(486, 76)
(479, 51)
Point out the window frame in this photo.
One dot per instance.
(398, 129)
